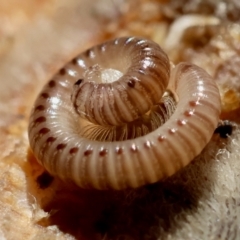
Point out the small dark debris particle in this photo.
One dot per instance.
(224, 129)
(78, 82)
(44, 180)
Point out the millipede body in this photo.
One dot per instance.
(118, 116)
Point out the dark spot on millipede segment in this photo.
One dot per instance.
(119, 150)
(73, 150)
(103, 152)
(44, 131)
(74, 61)
(62, 71)
(52, 84)
(88, 53)
(51, 139)
(40, 119)
(134, 148)
(161, 138)
(40, 108)
(147, 144)
(224, 129)
(193, 103)
(45, 95)
(188, 113)
(87, 152)
(44, 180)
(61, 146)
(131, 83)
(172, 130)
(181, 122)
(78, 82)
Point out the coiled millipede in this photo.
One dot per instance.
(115, 117)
